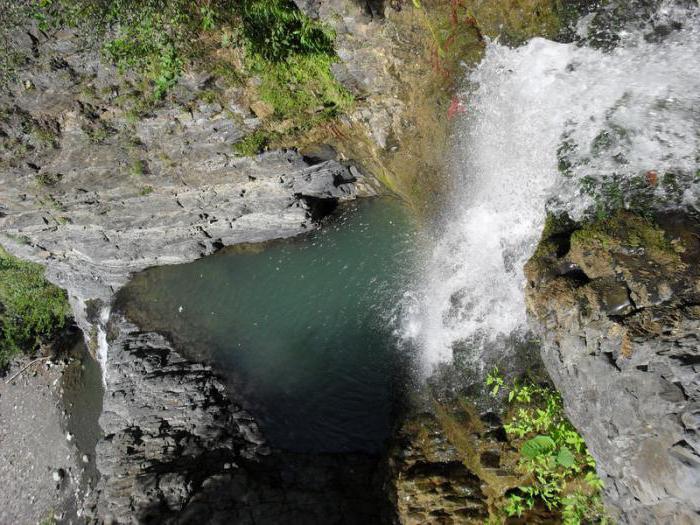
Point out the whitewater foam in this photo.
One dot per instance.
(102, 344)
(546, 121)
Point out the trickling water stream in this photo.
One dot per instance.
(565, 127)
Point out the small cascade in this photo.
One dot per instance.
(574, 128)
(102, 345)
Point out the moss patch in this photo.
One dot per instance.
(625, 230)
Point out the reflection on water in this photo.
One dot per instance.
(301, 328)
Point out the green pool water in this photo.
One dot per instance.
(301, 329)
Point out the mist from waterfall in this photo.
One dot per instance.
(547, 125)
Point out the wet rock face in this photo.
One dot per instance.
(430, 480)
(168, 428)
(617, 306)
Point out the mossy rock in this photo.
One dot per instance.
(622, 233)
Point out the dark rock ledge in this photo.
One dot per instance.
(176, 449)
(168, 426)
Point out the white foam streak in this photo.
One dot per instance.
(102, 344)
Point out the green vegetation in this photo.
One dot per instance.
(276, 29)
(288, 55)
(252, 143)
(137, 168)
(626, 230)
(31, 309)
(291, 56)
(560, 472)
(301, 88)
(153, 37)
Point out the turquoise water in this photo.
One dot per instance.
(302, 328)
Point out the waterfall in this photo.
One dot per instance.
(102, 344)
(562, 127)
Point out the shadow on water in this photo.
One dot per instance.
(301, 330)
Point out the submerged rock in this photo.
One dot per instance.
(619, 340)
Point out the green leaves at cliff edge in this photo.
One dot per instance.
(537, 446)
(557, 471)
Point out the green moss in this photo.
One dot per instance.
(302, 88)
(626, 230)
(137, 168)
(31, 309)
(513, 21)
(556, 230)
(46, 179)
(252, 144)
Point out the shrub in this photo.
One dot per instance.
(31, 309)
(276, 29)
(554, 459)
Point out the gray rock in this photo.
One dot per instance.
(629, 373)
(94, 196)
(168, 427)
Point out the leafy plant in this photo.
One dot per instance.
(208, 17)
(560, 472)
(167, 71)
(494, 380)
(276, 29)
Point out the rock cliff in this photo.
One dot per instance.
(616, 305)
(95, 195)
(178, 449)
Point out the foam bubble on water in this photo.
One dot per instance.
(526, 102)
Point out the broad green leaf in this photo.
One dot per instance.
(565, 458)
(537, 446)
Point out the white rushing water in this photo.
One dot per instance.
(612, 117)
(102, 344)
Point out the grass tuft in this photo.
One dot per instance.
(32, 310)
